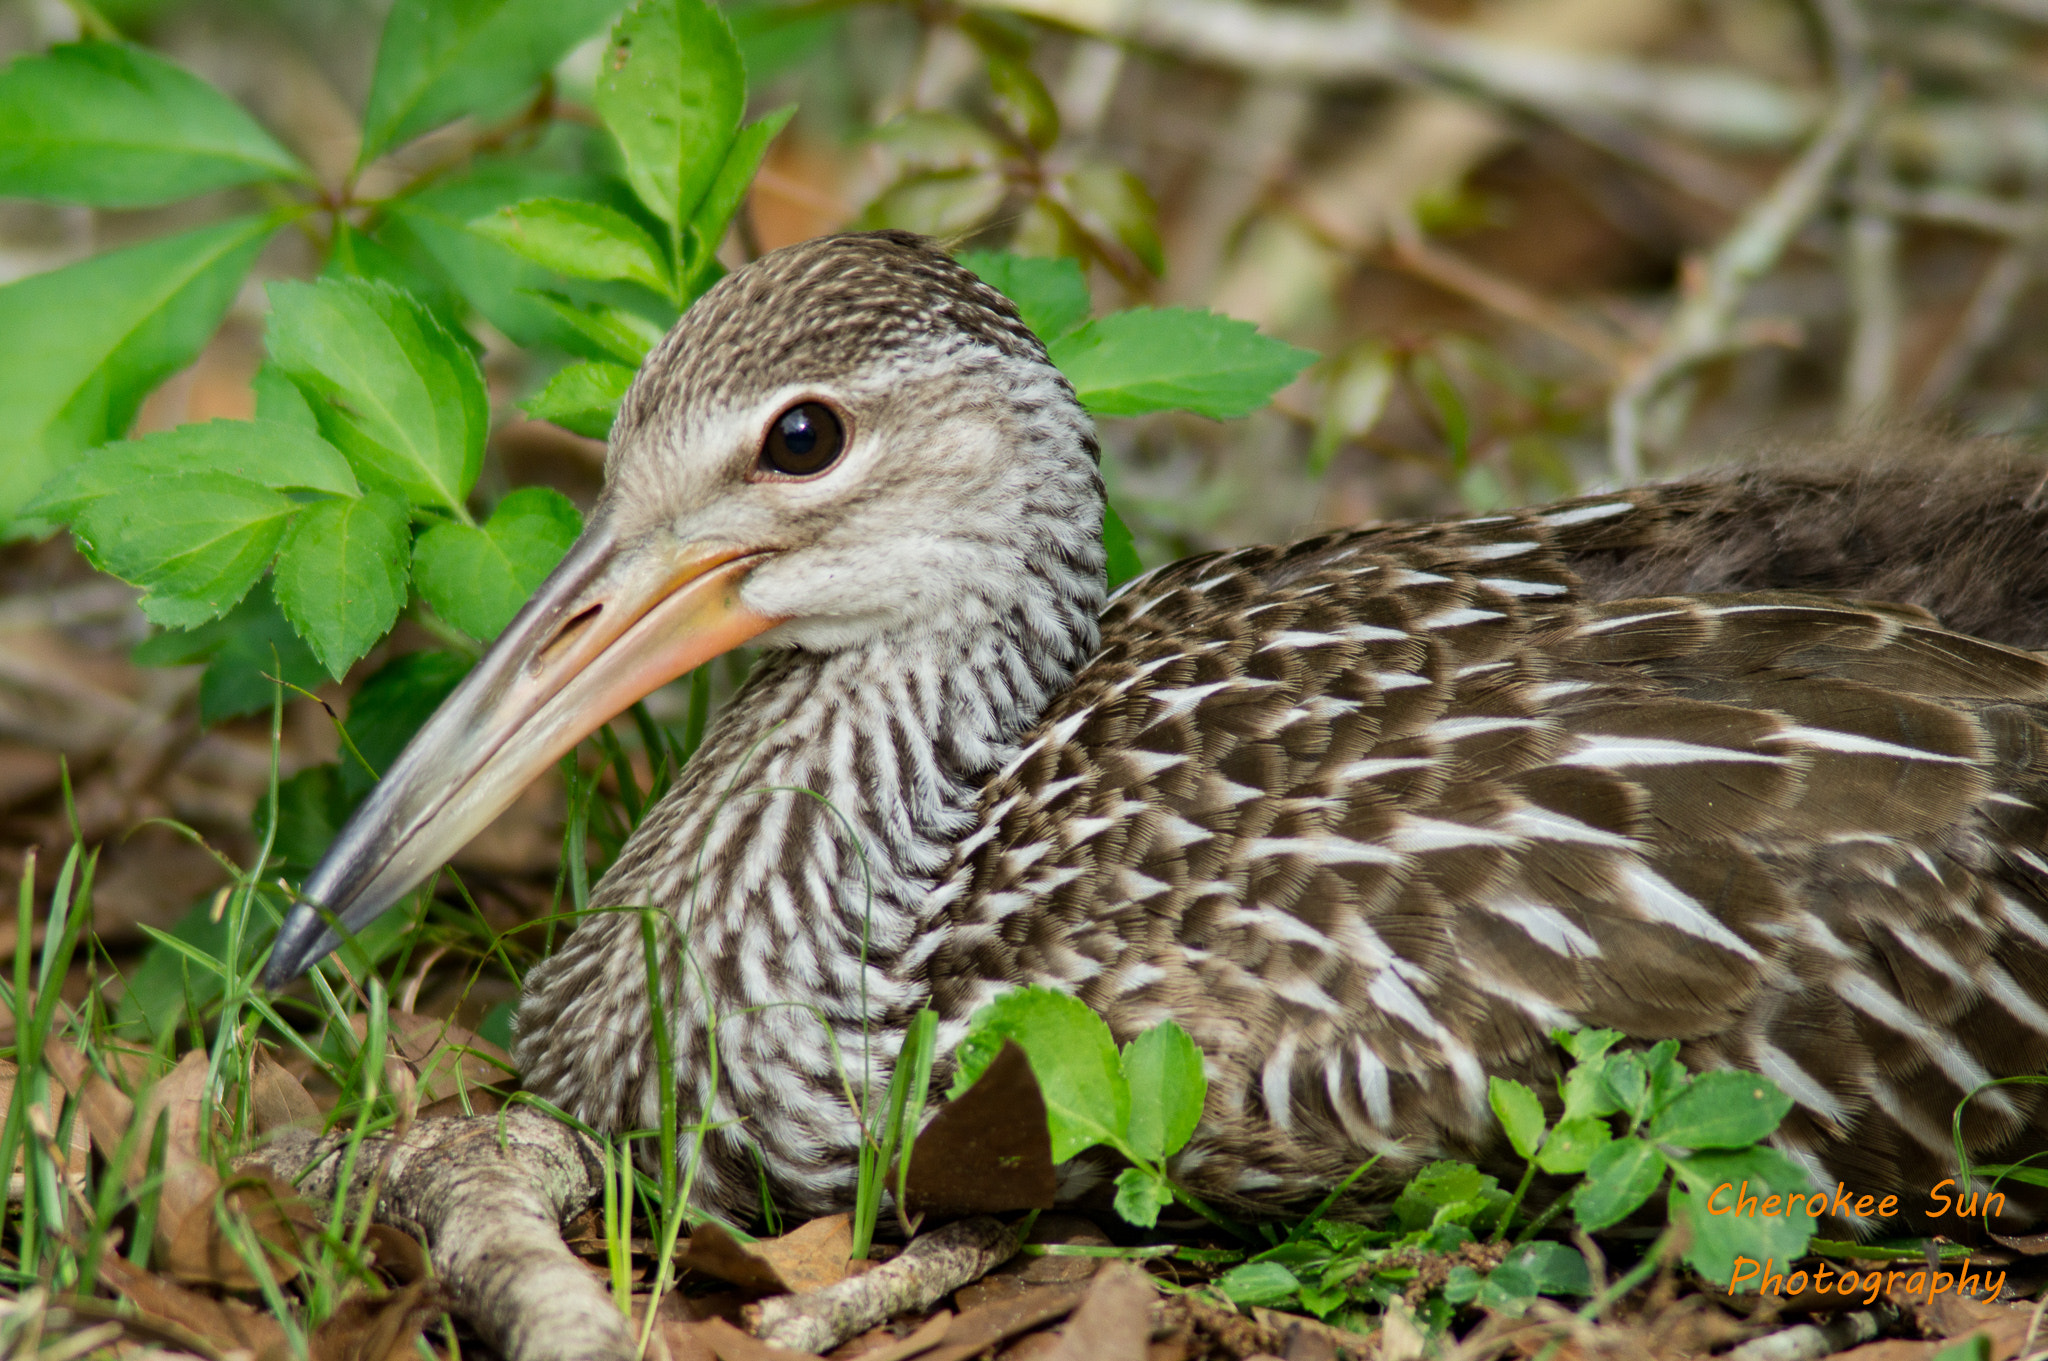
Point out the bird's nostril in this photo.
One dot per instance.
(567, 634)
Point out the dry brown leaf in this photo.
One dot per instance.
(728, 1343)
(277, 1100)
(367, 1329)
(982, 1327)
(1114, 1320)
(716, 1253)
(396, 1253)
(809, 1258)
(928, 1335)
(78, 1152)
(226, 1325)
(988, 1150)
(194, 1249)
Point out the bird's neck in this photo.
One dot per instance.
(790, 866)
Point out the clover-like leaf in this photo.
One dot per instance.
(1164, 1070)
(394, 390)
(1708, 1193)
(1176, 358)
(1620, 1176)
(1519, 1111)
(477, 577)
(1571, 1145)
(341, 576)
(1722, 1109)
(580, 239)
(1087, 1101)
(1141, 1195)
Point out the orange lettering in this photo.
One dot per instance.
(1941, 1202)
(1772, 1204)
(1724, 1186)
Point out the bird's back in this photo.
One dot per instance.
(1373, 814)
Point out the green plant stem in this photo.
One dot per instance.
(1507, 1214)
(91, 23)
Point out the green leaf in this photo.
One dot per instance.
(1051, 295)
(939, 203)
(1719, 1231)
(477, 577)
(1128, 363)
(729, 189)
(583, 240)
(1072, 1055)
(1447, 403)
(1141, 1195)
(269, 454)
(195, 543)
(279, 401)
(1163, 1069)
(582, 397)
(440, 59)
(1113, 202)
(341, 576)
(1628, 1083)
(243, 650)
(1441, 1192)
(1552, 1268)
(119, 127)
(1572, 1144)
(612, 332)
(672, 91)
(394, 701)
(1258, 1283)
(1120, 549)
(1584, 1045)
(1722, 1109)
(1519, 1113)
(396, 392)
(80, 347)
(428, 232)
(1620, 1177)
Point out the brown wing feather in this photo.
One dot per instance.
(1370, 815)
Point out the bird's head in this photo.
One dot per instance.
(848, 440)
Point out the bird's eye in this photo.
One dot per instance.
(803, 441)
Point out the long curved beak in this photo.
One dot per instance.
(614, 621)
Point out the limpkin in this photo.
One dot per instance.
(1371, 814)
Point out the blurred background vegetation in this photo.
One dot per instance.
(1543, 245)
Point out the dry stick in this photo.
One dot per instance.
(1379, 42)
(1807, 1341)
(1875, 304)
(1983, 321)
(487, 1194)
(1704, 327)
(934, 1265)
(1419, 256)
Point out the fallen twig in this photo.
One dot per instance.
(1704, 326)
(487, 1194)
(934, 1265)
(1809, 1341)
